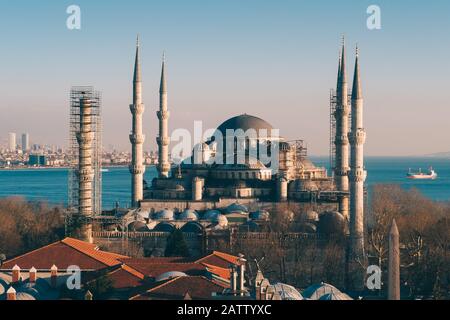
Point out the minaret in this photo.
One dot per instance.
(341, 139)
(137, 167)
(85, 137)
(357, 138)
(163, 139)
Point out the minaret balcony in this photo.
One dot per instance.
(137, 138)
(342, 172)
(358, 137)
(163, 114)
(358, 175)
(163, 141)
(136, 169)
(341, 140)
(342, 110)
(137, 108)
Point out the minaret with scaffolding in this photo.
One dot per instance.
(84, 199)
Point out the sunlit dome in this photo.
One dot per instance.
(165, 214)
(144, 214)
(286, 291)
(245, 122)
(170, 275)
(221, 221)
(137, 226)
(317, 291)
(188, 214)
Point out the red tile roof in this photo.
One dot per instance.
(63, 254)
(223, 273)
(219, 259)
(153, 270)
(196, 287)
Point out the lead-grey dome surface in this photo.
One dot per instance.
(245, 122)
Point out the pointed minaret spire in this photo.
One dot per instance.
(137, 167)
(356, 91)
(162, 85)
(341, 115)
(163, 139)
(357, 176)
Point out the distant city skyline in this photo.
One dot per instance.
(275, 60)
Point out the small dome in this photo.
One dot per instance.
(331, 222)
(170, 275)
(286, 291)
(188, 214)
(307, 228)
(260, 215)
(164, 227)
(24, 296)
(221, 221)
(165, 214)
(309, 216)
(210, 215)
(137, 226)
(288, 215)
(144, 214)
(236, 208)
(179, 187)
(317, 291)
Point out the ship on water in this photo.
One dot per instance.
(430, 175)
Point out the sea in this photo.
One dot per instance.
(50, 184)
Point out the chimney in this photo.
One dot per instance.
(54, 276)
(32, 276)
(241, 269)
(233, 279)
(11, 294)
(15, 274)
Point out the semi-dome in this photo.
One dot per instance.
(210, 215)
(170, 275)
(309, 216)
(164, 227)
(245, 122)
(331, 222)
(137, 226)
(165, 214)
(188, 214)
(236, 208)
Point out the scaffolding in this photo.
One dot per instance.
(332, 151)
(76, 94)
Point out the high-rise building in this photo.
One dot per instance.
(12, 141)
(25, 142)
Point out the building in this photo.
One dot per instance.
(37, 160)
(12, 144)
(42, 274)
(25, 142)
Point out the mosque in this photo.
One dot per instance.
(246, 173)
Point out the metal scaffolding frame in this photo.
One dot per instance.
(76, 93)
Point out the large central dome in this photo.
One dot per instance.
(245, 122)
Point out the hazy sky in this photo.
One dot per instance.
(273, 59)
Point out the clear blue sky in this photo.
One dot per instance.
(273, 59)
